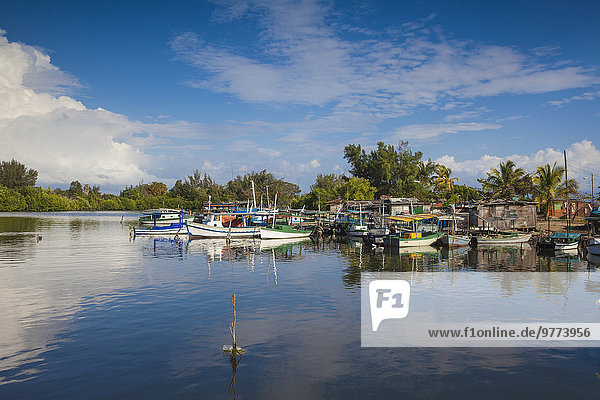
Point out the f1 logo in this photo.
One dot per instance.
(389, 299)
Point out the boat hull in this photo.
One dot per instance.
(164, 221)
(482, 240)
(270, 233)
(357, 231)
(358, 234)
(173, 229)
(197, 230)
(566, 246)
(395, 241)
(455, 240)
(593, 246)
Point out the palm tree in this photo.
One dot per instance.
(505, 181)
(426, 172)
(549, 185)
(547, 181)
(443, 179)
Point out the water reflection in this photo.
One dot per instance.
(150, 317)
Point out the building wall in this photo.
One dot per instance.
(335, 207)
(525, 216)
(397, 209)
(578, 208)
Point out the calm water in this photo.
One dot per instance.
(88, 313)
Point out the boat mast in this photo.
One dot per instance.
(253, 196)
(567, 193)
(268, 198)
(360, 213)
(274, 210)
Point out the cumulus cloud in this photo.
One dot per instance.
(56, 134)
(583, 158)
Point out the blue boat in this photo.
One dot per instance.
(175, 228)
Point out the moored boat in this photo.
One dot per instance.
(454, 240)
(164, 216)
(281, 231)
(593, 246)
(199, 230)
(502, 238)
(376, 236)
(565, 241)
(173, 229)
(357, 230)
(412, 239)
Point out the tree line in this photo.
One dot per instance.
(397, 171)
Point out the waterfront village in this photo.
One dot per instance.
(393, 198)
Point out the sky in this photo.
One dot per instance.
(113, 93)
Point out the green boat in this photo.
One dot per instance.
(280, 231)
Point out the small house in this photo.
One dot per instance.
(577, 208)
(401, 205)
(504, 215)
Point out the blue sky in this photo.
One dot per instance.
(111, 93)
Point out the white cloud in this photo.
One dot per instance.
(304, 60)
(208, 166)
(583, 157)
(566, 100)
(57, 135)
(426, 131)
(315, 163)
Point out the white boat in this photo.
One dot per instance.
(502, 238)
(593, 246)
(380, 231)
(357, 230)
(565, 241)
(453, 240)
(164, 216)
(283, 232)
(214, 229)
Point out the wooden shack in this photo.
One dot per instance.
(400, 205)
(504, 215)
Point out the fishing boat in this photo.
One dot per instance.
(501, 239)
(164, 216)
(561, 241)
(593, 246)
(454, 240)
(412, 239)
(357, 230)
(414, 230)
(173, 229)
(376, 235)
(360, 229)
(222, 226)
(283, 231)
